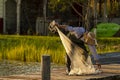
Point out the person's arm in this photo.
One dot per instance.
(61, 26)
(66, 27)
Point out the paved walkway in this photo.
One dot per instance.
(109, 71)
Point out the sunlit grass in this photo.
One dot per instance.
(110, 44)
(31, 48)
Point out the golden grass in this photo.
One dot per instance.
(31, 48)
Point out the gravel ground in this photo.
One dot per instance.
(16, 67)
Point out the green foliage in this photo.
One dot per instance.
(107, 29)
(62, 5)
(31, 48)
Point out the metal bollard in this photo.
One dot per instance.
(45, 67)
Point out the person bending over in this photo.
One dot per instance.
(79, 36)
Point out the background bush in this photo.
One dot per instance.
(107, 29)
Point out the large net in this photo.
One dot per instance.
(80, 64)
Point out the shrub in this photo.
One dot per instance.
(107, 29)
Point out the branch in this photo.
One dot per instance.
(76, 11)
(81, 4)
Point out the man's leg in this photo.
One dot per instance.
(95, 55)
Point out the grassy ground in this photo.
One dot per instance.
(31, 48)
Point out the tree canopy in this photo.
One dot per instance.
(62, 4)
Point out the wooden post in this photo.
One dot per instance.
(45, 67)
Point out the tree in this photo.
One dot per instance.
(62, 5)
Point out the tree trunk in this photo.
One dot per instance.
(111, 7)
(105, 11)
(100, 8)
(18, 16)
(95, 16)
(44, 14)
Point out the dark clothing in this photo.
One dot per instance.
(68, 63)
(78, 42)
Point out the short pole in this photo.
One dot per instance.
(45, 67)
